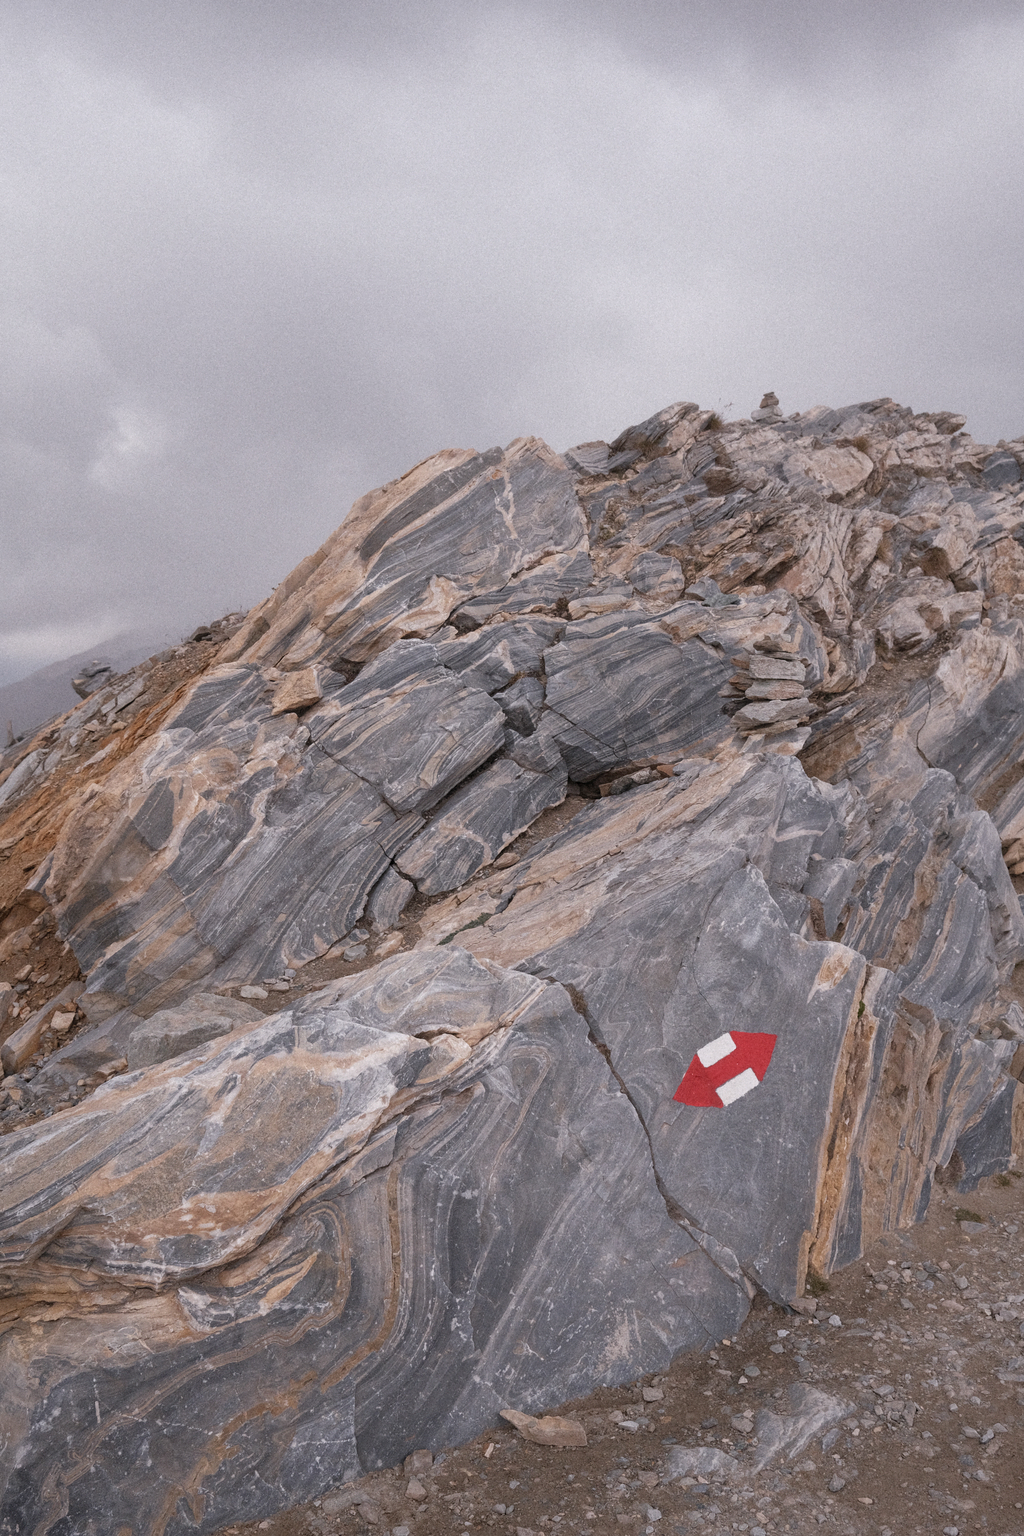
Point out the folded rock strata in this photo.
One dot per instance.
(678, 786)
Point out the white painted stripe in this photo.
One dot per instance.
(736, 1087)
(715, 1050)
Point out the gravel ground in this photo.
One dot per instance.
(923, 1337)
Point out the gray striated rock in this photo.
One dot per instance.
(588, 458)
(478, 822)
(657, 574)
(389, 899)
(552, 582)
(459, 526)
(730, 1017)
(408, 727)
(492, 658)
(620, 690)
(397, 1287)
(523, 704)
(701, 949)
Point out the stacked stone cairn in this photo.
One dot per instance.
(771, 678)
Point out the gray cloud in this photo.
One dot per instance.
(259, 258)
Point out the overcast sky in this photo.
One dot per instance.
(258, 256)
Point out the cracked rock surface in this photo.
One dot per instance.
(371, 957)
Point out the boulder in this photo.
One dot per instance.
(175, 1031)
(297, 690)
(93, 676)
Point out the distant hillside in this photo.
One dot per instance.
(25, 704)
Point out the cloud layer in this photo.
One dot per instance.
(258, 258)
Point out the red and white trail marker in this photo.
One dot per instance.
(725, 1069)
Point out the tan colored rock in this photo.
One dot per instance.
(390, 944)
(550, 1430)
(1004, 568)
(297, 690)
(776, 669)
(927, 452)
(20, 1047)
(840, 471)
(600, 603)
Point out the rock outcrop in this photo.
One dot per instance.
(583, 895)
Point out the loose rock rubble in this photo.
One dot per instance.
(578, 907)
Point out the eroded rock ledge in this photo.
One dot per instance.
(582, 774)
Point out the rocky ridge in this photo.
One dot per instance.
(389, 935)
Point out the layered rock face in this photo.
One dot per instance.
(648, 805)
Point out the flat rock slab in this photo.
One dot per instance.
(622, 693)
(478, 821)
(410, 727)
(780, 1437)
(810, 1412)
(704, 1461)
(551, 1429)
(176, 1031)
(776, 668)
